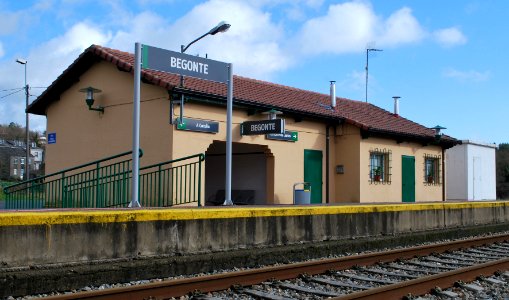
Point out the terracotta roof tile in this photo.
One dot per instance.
(364, 115)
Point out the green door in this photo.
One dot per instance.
(408, 178)
(313, 173)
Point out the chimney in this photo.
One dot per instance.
(333, 94)
(396, 105)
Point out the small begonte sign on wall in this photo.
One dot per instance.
(198, 125)
(262, 127)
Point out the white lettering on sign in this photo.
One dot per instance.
(189, 65)
(263, 127)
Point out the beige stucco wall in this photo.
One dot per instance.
(84, 136)
(371, 192)
(288, 156)
(346, 153)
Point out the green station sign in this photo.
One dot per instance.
(198, 125)
(288, 136)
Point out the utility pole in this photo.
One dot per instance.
(26, 175)
(367, 64)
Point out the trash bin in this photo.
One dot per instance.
(302, 196)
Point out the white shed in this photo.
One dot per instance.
(471, 171)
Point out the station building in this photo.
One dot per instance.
(349, 151)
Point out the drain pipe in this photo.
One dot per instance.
(327, 145)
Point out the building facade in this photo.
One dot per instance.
(349, 152)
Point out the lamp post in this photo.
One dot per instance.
(221, 27)
(27, 131)
(367, 64)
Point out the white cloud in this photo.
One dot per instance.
(401, 28)
(350, 26)
(45, 63)
(251, 44)
(450, 37)
(467, 76)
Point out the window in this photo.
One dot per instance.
(379, 166)
(432, 169)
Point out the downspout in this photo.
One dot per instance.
(443, 174)
(327, 143)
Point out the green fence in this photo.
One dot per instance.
(107, 183)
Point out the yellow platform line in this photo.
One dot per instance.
(52, 217)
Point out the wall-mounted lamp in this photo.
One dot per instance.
(90, 98)
(437, 129)
(272, 113)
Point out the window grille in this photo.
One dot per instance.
(380, 166)
(432, 169)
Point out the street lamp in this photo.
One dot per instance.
(367, 64)
(27, 132)
(221, 27)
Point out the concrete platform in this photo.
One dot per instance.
(48, 237)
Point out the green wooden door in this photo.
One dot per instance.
(408, 178)
(313, 173)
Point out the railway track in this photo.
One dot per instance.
(381, 275)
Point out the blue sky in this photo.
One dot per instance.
(447, 61)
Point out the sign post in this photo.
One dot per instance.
(186, 65)
(136, 127)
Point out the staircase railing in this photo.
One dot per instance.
(107, 183)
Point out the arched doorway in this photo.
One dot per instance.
(252, 174)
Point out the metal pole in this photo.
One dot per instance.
(136, 127)
(367, 62)
(27, 129)
(229, 105)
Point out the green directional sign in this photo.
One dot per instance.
(288, 136)
(198, 125)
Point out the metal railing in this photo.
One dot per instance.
(107, 183)
(171, 183)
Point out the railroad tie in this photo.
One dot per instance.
(262, 295)
(364, 278)
(487, 253)
(405, 268)
(423, 264)
(442, 261)
(495, 250)
(338, 283)
(461, 258)
(307, 290)
(381, 272)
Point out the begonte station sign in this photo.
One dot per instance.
(183, 64)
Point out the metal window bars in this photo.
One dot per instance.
(380, 166)
(432, 169)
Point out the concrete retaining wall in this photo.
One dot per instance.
(29, 238)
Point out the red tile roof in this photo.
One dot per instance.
(250, 91)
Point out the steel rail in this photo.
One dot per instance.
(217, 282)
(425, 284)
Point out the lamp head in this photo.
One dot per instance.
(21, 61)
(90, 95)
(221, 27)
(437, 131)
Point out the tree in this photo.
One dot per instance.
(502, 173)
